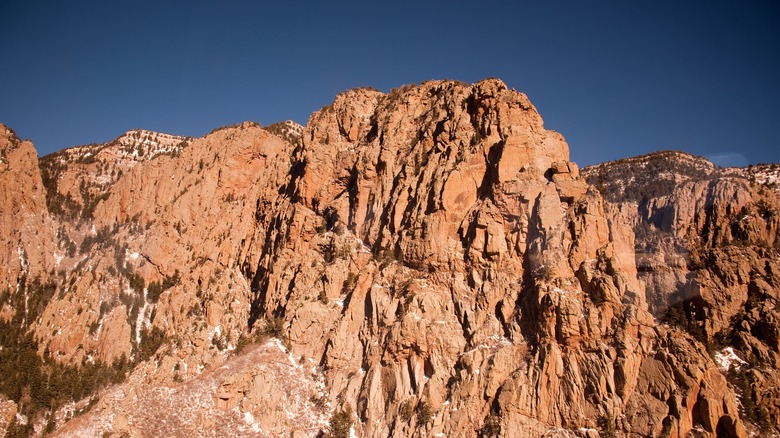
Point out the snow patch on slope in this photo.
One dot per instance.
(727, 358)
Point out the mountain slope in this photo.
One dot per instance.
(78, 178)
(431, 251)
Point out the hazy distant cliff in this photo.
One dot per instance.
(428, 262)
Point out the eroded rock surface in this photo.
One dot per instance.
(707, 250)
(432, 251)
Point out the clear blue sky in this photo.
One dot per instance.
(615, 78)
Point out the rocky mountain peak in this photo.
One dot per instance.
(79, 177)
(127, 149)
(26, 229)
(706, 247)
(7, 136)
(8, 142)
(143, 144)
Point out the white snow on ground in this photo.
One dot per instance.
(726, 358)
(21, 419)
(103, 179)
(139, 322)
(22, 259)
(99, 329)
(278, 343)
(179, 410)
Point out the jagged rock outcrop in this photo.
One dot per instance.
(495, 276)
(27, 231)
(431, 250)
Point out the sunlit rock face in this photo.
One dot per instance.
(25, 224)
(420, 262)
(706, 242)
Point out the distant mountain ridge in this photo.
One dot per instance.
(126, 150)
(78, 177)
(657, 173)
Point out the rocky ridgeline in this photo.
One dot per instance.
(128, 149)
(429, 258)
(763, 174)
(78, 178)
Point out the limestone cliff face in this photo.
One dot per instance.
(430, 256)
